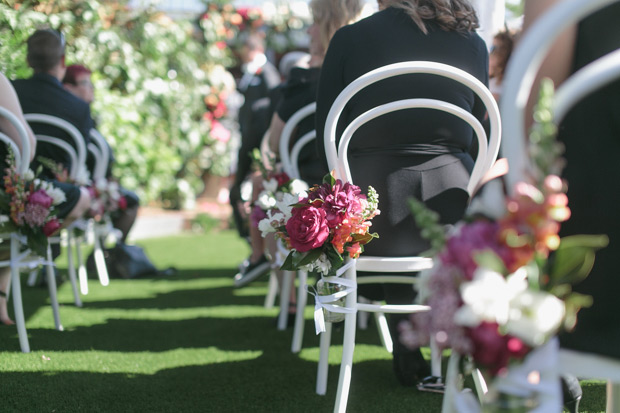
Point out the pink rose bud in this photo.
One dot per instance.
(51, 227)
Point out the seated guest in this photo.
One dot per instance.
(43, 93)
(77, 81)
(410, 153)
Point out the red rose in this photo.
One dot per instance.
(51, 227)
(41, 197)
(490, 347)
(307, 228)
(122, 203)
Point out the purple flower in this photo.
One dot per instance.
(338, 202)
(35, 215)
(477, 236)
(257, 215)
(40, 197)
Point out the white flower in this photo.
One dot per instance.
(265, 227)
(57, 195)
(28, 175)
(101, 184)
(487, 297)
(299, 188)
(283, 203)
(4, 218)
(265, 200)
(271, 185)
(535, 316)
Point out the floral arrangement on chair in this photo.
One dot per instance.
(500, 289)
(333, 218)
(27, 207)
(105, 198)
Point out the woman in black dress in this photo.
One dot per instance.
(418, 153)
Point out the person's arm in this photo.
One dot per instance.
(275, 131)
(331, 83)
(558, 62)
(10, 101)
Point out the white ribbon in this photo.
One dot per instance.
(326, 301)
(541, 363)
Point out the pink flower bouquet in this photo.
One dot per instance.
(27, 206)
(319, 228)
(105, 198)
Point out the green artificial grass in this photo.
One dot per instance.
(190, 343)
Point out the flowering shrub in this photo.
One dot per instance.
(333, 218)
(494, 292)
(27, 206)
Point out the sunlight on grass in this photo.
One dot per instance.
(363, 352)
(117, 362)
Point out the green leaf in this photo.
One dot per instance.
(287, 265)
(309, 257)
(489, 259)
(329, 179)
(574, 258)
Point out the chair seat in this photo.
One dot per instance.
(393, 264)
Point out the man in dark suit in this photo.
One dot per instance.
(44, 93)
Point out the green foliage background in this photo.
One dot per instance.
(158, 83)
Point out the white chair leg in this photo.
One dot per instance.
(285, 296)
(613, 397)
(32, 278)
(51, 285)
(270, 299)
(18, 308)
(435, 359)
(102, 269)
(384, 332)
(362, 316)
(348, 347)
(302, 298)
(321, 376)
(82, 274)
(71, 268)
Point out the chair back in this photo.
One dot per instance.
(22, 158)
(487, 151)
(290, 159)
(521, 72)
(77, 152)
(101, 151)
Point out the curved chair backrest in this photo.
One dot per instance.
(521, 73)
(100, 149)
(22, 158)
(290, 159)
(77, 151)
(487, 152)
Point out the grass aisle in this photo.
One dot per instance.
(189, 343)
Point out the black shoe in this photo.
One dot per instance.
(571, 392)
(410, 368)
(252, 272)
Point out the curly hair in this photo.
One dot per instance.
(450, 15)
(331, 15)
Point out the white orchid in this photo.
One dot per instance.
(270, 185)
(535, 316)
(284, 201)
(265, 200)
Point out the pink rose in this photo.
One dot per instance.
(307, 228)
(51, 227)
(40, 197)
(122, 203)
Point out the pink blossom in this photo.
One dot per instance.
(40, 197)
(35, 215)
(339, 201)
(219, 132)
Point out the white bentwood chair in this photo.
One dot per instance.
(21, 258)
(520, 74)
(77, 152)
(337, 160)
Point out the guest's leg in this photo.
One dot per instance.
(5, 276)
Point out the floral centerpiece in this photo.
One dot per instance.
(105, 198)
(500, 289)
(27, 206)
